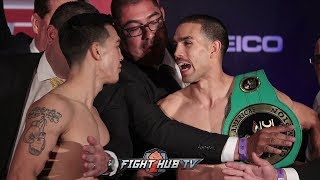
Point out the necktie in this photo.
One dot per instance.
(55, 82)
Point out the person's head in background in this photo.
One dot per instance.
(140, 24)
(315, 60)
(89, 41)
(201, 43)
(53, 52)
(43, 11)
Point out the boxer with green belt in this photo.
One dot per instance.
(201, 42)
(254, 106)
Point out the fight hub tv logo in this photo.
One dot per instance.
(156, 161)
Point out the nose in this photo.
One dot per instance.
(147, 33)
(121, 56)
(178, 53)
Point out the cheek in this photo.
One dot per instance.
(198, 58)
(193, 55)
(115, 62)
(134, 46)
(111, 65)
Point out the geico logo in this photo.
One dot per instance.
(254, 44)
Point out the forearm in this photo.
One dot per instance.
(177, 138)
(15, 174)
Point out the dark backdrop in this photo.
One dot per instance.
(277, 36)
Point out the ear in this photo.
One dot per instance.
(163, 14)
(215, 47)
(35, 20)
(52, 34)
(95, 51)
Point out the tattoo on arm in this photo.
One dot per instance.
(36, 135)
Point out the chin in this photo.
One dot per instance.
(187, 80)
(115, 80)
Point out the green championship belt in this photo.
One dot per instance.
(254, 106)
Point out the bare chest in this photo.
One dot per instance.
(86, 123)
(209, 119)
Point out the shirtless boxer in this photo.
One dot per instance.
(58, 124)
(201, 44)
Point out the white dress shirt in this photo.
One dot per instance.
(168, 60)
(33, 48)
(115, 165)
(291, 174)
(40, 86)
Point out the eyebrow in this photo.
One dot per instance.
(136, 21)
(183, 38)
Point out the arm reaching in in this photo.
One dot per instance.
(263, 170)
(96, 160)
(265, 139)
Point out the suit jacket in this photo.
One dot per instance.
(17, 74)
(309, 171)
(161, 78)
(149, 123)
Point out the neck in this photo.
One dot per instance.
(58, 63)
(83, 79)
(214, 86)
(37, 44)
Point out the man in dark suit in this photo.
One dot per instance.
(142, 29)
(43, 11)
(17, 72)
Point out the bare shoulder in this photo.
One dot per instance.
(172, 103)
(172, 99)
(293, 105)
(46, 120)
(306, 116)
(284, 98)
(53, 108)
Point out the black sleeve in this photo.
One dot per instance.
(178, 139)
(112, 109)
(17, 72)
(8, 43)
(308, 171)
(5, 33)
